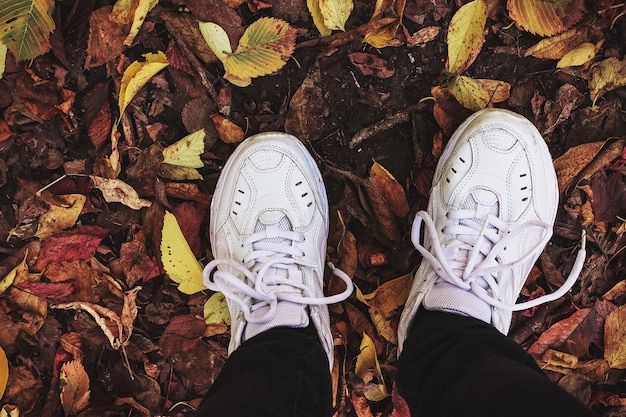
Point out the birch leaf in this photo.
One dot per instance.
(615, 338)
(318, 19)
(75, 391)
(607, 76)
(216, 310)
(263, 49)
(26, 26)
(546, 17)
(216, 38)
(578, 56)
(178, 259)
(4, 371)
(336, 13)
(465, 32)
(138, 74)
(556, 47)
(186, 152)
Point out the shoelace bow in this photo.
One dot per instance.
(262, 285)
(474, 251)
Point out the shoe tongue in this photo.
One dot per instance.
(272, 217)
(288, 314)
(273, 221)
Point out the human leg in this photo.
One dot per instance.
(491, 212)
(268, 231)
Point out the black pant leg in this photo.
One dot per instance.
(458, 366)
(282, 372)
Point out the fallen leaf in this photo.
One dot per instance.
(216, 310)
(615, 338)
(318, 19)
(369, 64)
(360, 324)
(117, 191)
(400, 406)
(106, 38)
(617, 290)
(367, 368)
(9, 278)
(3, 58)
(4, 371)
(478, 94)
(608, 75)
(580, 55)
(609, 196)
(423, 36)
(138, 74)
(558, 333)
(217, 39)
(390, 189)
(307, 110)
(186, 152)
(390, 295)
(386, 35)
(561, 359)
(347, 252)
(190, 217)
(178, 260)
(386, 324)
(546, 17)
(9, 410)
(227, 131)
(182, 334)
(556, 47)
(75, 392)
(49, 290)
(26, 26)
(361, 407)
(572, 162)
(140, 10)
(464, 33)
(336, 13)
(383, 213)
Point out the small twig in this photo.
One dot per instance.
(341, 38)
(205, 77)
(385, 124)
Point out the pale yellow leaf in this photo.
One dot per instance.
(3, 58)
(9, 279)
(318, 19)
(122, 12)
(546, 17)
(138, 74)
(178, 173)
(390, 295)
(216, 38)
(578, 56)
(216, 310)
(4, 371)
(557, 46)
(615, 338)
(139, 16)
(263, 49)
(607, 76)
(469, 92)
(9, 410)
(186, 152)
(238, 81)
(465, 32)
(178, 259)
(117, 191)
(58, 218)
(378, 393)
(228, 131)
(336, 13)
(25, 27)
(75, 391)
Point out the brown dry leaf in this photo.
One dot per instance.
(546, 17)
(106, 38)
(556, 47)
(390, 189)
(307, 110)
(60, 217)
(369, 64)
(382, 211)
(400, 406)
(390, 295)
(572, 162)
(558, 333)
(228, 131)
(187, 26)
(386, 35)
(423, 36)
(464, 34)
(182, 334)
(560, 359)
(386, 324)
(615, 338)
(75, 392)
(117, 191)
(608, 75)
(4, 371)
(617, 290)
(347, 250)
(361, 407)
(360, 324)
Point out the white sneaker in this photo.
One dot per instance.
(268, 230)
(490, 214)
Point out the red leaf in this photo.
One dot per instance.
(77, 244)
(177, 60)
(609, 196)
(190, 216)
(182, 334)
(558, 333)
(101, 126)
(400, 407)
(49, 290)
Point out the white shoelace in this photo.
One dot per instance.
(274, 276)
(473, 252)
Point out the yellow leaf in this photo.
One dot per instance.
(138, 74)
(3, 58)
(383, 324)
(578, 56)
(179, 173)
(318, 19)
(465, 33)
(117, 191)
(216, 310)
(378, 393)
(367, 365)
(122, 12)
(336, 13)
(557, 46)
(178, 259)
(9, 279)
(4, 371)
(228, 131)
(546, 17)
(390, 295)
(390, 188)
(239, 82)
(386, 35)
(469, 92)
(25, 27)
(142, 10)
(58, 218)
(607, 76)
(186, 152)
(615, 338)
(216, 38)
(263, 49)
(75, 391)
(9, 410)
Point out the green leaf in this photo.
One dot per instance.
(465, 32)
(263, 49)
(26, 26)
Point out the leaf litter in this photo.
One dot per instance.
(103, 213)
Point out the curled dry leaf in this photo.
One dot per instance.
(558, 333)
(138, 9)
(106, 38)
(465, 33)
(390, 189)
(117, 191)
(386, 35)
(570, 164)
(390, 295)
(615, 338)
(546, 17)
(423, 36)
(75, 392)
(227, 131)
